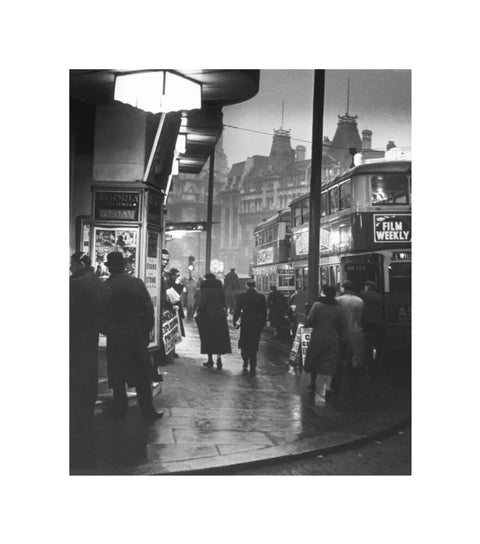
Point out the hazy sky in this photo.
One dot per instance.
(380, 98)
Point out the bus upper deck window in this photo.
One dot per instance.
(346, 195)
(334, 200)
(324, 204)
(390, 189)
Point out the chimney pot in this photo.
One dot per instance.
(301, 150)
(366, 140)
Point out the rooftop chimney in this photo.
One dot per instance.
(366, 140)
(301, 150)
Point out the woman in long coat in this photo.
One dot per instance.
(212, 320)
(327, 338)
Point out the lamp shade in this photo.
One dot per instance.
(158, 91)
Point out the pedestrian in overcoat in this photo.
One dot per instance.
(89, 300)
(231, 284)
(251, 309)
(131, 319)
(353, 359)
(277, 306)
(211, 319)
(329, 328)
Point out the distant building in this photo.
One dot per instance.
(260, 186)
(187, 201)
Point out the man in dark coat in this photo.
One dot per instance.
(89, 300)
(212, 320)
(278, 309)
(251, 307)
(231, 284)
(130, 321)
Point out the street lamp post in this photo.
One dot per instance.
(208, 250)
(315, 187)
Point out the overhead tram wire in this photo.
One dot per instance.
(300, 140)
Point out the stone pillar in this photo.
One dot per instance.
(120, 138)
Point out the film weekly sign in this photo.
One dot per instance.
(392, 228)
(117, 205)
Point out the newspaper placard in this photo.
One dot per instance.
(294, 358)
(170, 331)
(152, 281)
(305, 333)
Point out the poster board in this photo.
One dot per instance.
(152, 282)
(305, 333)
(300, 346)
(171, 332)
(108, 239)
(294, 358)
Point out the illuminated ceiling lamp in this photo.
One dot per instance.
(158, 91)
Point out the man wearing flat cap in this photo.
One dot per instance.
(130, 322)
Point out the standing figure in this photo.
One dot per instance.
(212, 320)
(292, 313)
(130, 321)
(251, 308)
(327, 338)
(173, 282)
(89, 300)
(373, 326)
(352, 307)
(190, 289)
(277, 306)
(231, 284)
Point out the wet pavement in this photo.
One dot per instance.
(216, 419)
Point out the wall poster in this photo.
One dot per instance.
(106, 240)
(152, 281)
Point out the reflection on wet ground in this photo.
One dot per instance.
(211, 414)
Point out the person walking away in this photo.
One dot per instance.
(190, 288)
(89, 301)
(373, 323)
(278, 308)
(354, 359)
(292, 315)
(231, 284)
(329, 330)
(130, 321)
(251, 309)
(175, 298)
(212, 320)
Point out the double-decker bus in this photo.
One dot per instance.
(272, 264)
(365, 234)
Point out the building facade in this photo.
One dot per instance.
(261, 186)
(187, 202)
